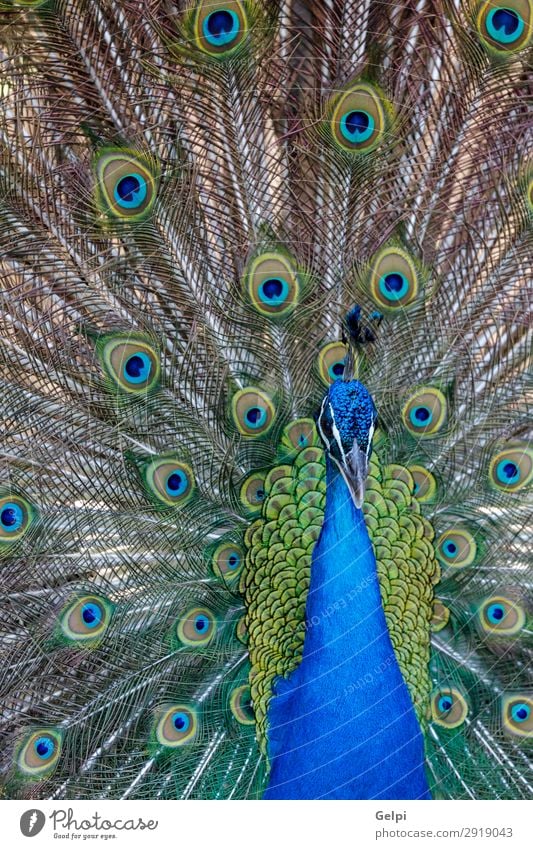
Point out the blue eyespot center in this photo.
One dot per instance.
(445, 704)
(130, 191)
(274, 291)
(450, 548)
(181, 721)
(137, 368)
(260, 494)
(420, 416)
(357, 126)
(520, 712)
(508, 472)
(221, 27)
(44, 747)
(91, 614)
(495, 613)
(11, 517)
(177, 483)
(255, 417)
(201, 623)
(505, 25)
(234, 560)
(393, 286)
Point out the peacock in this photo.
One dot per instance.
(265, 404)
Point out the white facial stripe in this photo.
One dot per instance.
(370, 435)
(336, 434)
(322, 434)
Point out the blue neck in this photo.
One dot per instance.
(343, 724)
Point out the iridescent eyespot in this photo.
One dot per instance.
(394, 280)
(126, 184)
(177, 726)
(517, 714)
(86, 619)
(448, 707)
(228, 561)
(252, 492)
(425, 484)
(501, 616)
(220, 27)
(170, 481)
(273, 285)
(456, 547)
(253, 412)
(196, 627)
(16, 517)
(441, 616)
(241, 705)
(505, 27)
(424, 414)
(39, 752)
(131, 363)
(299, 434)
(241, 631)
(359, 118)
(331, 362)
(512, 468)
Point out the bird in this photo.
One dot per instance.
(265, 477)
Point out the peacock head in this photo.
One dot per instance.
(346, 424)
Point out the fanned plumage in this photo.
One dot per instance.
(192, 197)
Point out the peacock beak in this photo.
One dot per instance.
(354, 469)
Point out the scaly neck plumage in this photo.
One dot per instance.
(343, 725)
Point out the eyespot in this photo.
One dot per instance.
(131, 363)
(177, 726)
(39, 752)
(253, 411)
(512, 468)
(394, 282)
(241, 705)
(16, 517)
(125, 183)
(500, 615)
(425, 483)
(197, 627)
(300, 434)
(456, 547)
(517, 715)
(252, 492)
(86, 619)
(220, 27)
(228, 561)
(448, 708)
(241, 631)
(272, 285)
(505, 27)
(441, 616)
(424, 414)
(170, 480)
(359, 119)
(331, 362)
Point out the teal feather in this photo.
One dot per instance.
(234, 172)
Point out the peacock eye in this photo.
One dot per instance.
(512, 469)
(253, 412)
(273, 285)
(220, 29)
(16, 517)
(425, 484)
(170, 480)
(39, 753)
(517, 713)
(126, 184)
(227, 562)
(241, 705)
(500, 615)
(456, 547)
(196, 627)
(424, 414)
(448, 708)
(331, 362)
(300, 434)
(177, 726)
(394, 280)
(86, 619)
(132, 364)
(507, 27)
(252, 492)
(359, 119)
